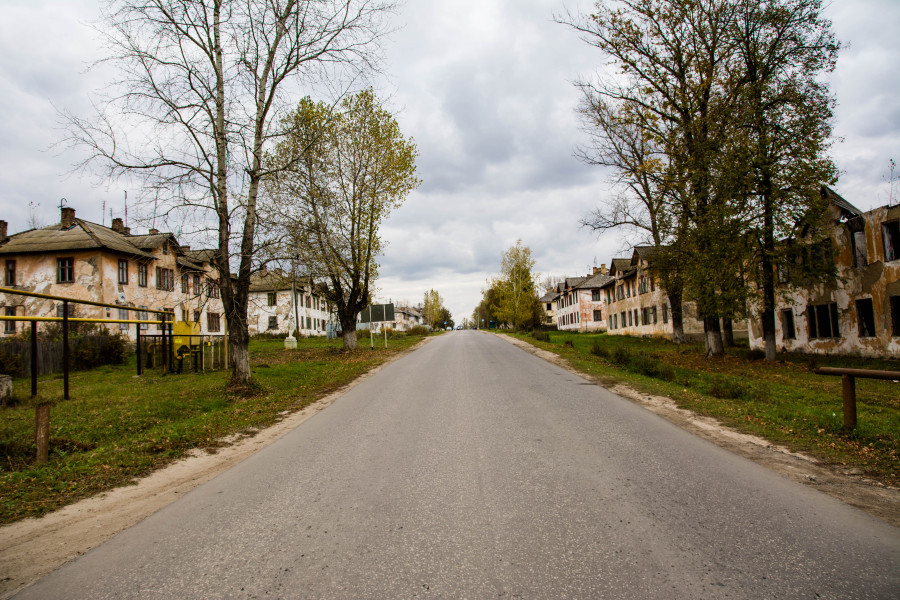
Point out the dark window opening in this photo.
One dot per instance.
(595, 295)
(9, 326)
(823, 321)
(10, 272)
(123, 271)
(142, 275)
(273, 322)
(212, 322)
(598, 316)
(789, 332)
(865, 316)
(270, 298)
(890, 232)
(858, 242)
(895, 315)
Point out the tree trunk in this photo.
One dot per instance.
(677, 318)
(728, 332)
(239, 354)
(348, 327)
(768, 327)
(713, 330)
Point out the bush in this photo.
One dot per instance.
(755, 355)
(541, 336)
(620, 356)
(417, 330)
(11, 363)
(598, 350)
(103, 348)
(726, 389)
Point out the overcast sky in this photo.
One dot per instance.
(484, 87)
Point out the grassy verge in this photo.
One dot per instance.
(784, 402)
(117, 426)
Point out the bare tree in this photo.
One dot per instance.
(203, 84)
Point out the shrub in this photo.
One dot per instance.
(755, 354)
(598, 350)
(541, 336)
(417, 330)
(620, 356)
(11, 362)
(652, 367)
(726, 388)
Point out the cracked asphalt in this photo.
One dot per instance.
(472, 469)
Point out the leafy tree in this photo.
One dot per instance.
(518, 300)
(202, 86)
(336, 176)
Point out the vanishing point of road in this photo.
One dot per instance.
(472, 469)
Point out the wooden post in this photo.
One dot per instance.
(34, 359)
(848, 385)
(42, 431)
(65, 349)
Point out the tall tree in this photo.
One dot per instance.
(336, 176)
(785, 47)
(202, 86)
(516, 284)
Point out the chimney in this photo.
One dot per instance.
(127, 230)
(118, 226)
(67, 217)
(153, 231)
(185, 248)
(603, 269)
(2, 230)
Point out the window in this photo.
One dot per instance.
(308, 322)
(196, 316)
(196, 285)
(212, 322)
(270, 299)
(595, 296)
(165, 248)
(185, 283)
(65, 270)
(635, 316)
(653, 315)
(123, 271)
(212, 288)
(789, 332)
(123, 316)
(858, 243)
(165, 279)
(273, 322)
(162, 317)
(890, 232)
(309, 302)
(70, 311)
(549, 306)
(865, 317)
(665, 313)
(10, 272)
(144, 316)
(823, 321)
(615, 321)
(598, 315)
(142, 275)
(895, 315)
(623, 319)
(9, 326)
(630, 318)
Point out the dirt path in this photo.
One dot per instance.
(847, 486)
(31, 548)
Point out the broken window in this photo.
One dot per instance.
(865, 317)
(858, 243)
(895, 315)
(823, 321)
(890, 232)
(273, 322)
(789, 332)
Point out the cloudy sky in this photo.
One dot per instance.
(484, 87)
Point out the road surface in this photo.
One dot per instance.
(472, 469)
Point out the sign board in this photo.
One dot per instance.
(377, 313)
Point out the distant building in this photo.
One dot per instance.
(271, 308)
(580, 305)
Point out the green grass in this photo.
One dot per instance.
(117, 427)
(784, 402)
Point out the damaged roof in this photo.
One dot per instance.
(596, 281)
(848, 209)
(81, 235)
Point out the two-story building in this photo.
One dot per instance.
(858, 313)
(86, 261)
(580, 305)
(277, 303)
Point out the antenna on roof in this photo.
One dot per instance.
(62, 202)
(126, 207)
(103, 214)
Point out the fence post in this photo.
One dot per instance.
(171, 357)
(848, 385)
(34, 360)
(137, 348)
(65, 349)
(42, 431)
(165, 360)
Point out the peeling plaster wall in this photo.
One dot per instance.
(878, 280)
(96, 275)
(582, 308)
(259, 312)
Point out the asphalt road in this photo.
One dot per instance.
(472, 469)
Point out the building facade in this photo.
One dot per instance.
(85, 261)
(580, 305)
(277, 304)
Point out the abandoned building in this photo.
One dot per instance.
(638, 305)
(271, 309)
(858, 313)
(85, 261)
(579, 304)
